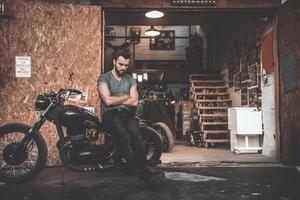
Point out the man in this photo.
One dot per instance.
(118, 92)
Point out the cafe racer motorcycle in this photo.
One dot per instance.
(83, 144)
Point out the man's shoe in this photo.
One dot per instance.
(151, 177)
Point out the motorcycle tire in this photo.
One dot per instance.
(153, 145)
(167, 136)
(17, 174)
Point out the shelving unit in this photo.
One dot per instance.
(211, 99)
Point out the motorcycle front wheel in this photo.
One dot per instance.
(28, 161)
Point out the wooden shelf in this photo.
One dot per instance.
(212, 100)
(212, 108)
(217, 140)
(214, 115)
(211, 94)
(214, 123)
(207, 141)
(195, 77)
(205, 87)
(216, 131)
(209, 87)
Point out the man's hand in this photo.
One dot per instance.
(109, 100)
(133, 98)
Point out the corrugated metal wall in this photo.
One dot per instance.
(289, 57)
(64, 43)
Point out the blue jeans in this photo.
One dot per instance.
(127, 137)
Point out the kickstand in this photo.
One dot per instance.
(62, 179)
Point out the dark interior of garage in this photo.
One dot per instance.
(188, 80)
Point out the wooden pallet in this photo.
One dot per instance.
(207, 141)
(210, 97)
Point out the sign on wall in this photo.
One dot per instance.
(23, 66)
(288, 66)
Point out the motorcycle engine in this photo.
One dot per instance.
(81, 147)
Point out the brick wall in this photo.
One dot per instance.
(289, 50)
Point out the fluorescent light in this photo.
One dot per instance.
(134, 75)
(154, 14)
(145, 76)
(140, 78)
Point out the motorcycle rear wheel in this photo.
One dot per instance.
(167, 136)
(28, 162)
(153, 149)
(153, 145)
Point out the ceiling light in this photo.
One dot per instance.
(154, 14)
(152, 32)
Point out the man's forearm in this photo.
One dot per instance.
(115, 100)
(132, 102)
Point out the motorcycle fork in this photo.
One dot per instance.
(60, 133)
(35, 128)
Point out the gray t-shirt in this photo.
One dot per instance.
(116, 88)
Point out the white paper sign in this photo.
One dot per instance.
(90, 108)
(23, 66)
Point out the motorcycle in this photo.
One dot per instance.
(83, 146)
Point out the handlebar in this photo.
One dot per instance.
(74, 91)
(71, 91)
(57, 96)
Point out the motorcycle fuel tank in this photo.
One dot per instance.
(76, 117)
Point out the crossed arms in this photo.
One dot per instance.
(130, 100)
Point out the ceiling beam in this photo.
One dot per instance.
(159, 4)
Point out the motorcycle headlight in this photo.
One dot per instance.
(41, 102)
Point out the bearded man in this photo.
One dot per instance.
(119, 95)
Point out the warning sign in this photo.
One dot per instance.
(23, 66)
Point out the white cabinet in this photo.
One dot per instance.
(245, 125)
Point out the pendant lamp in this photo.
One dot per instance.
(154, 14)
(152, 32)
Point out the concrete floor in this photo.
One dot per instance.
(182, 183)
(191, 174)
(182, 154)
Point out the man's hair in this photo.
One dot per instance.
(124, 53)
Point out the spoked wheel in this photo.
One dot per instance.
(30, 158)
(167, 136)
(153, 145)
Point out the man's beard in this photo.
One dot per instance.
(121, 72)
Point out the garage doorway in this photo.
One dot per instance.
(201, 66)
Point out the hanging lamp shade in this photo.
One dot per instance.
(154, 14)
(152, 32)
